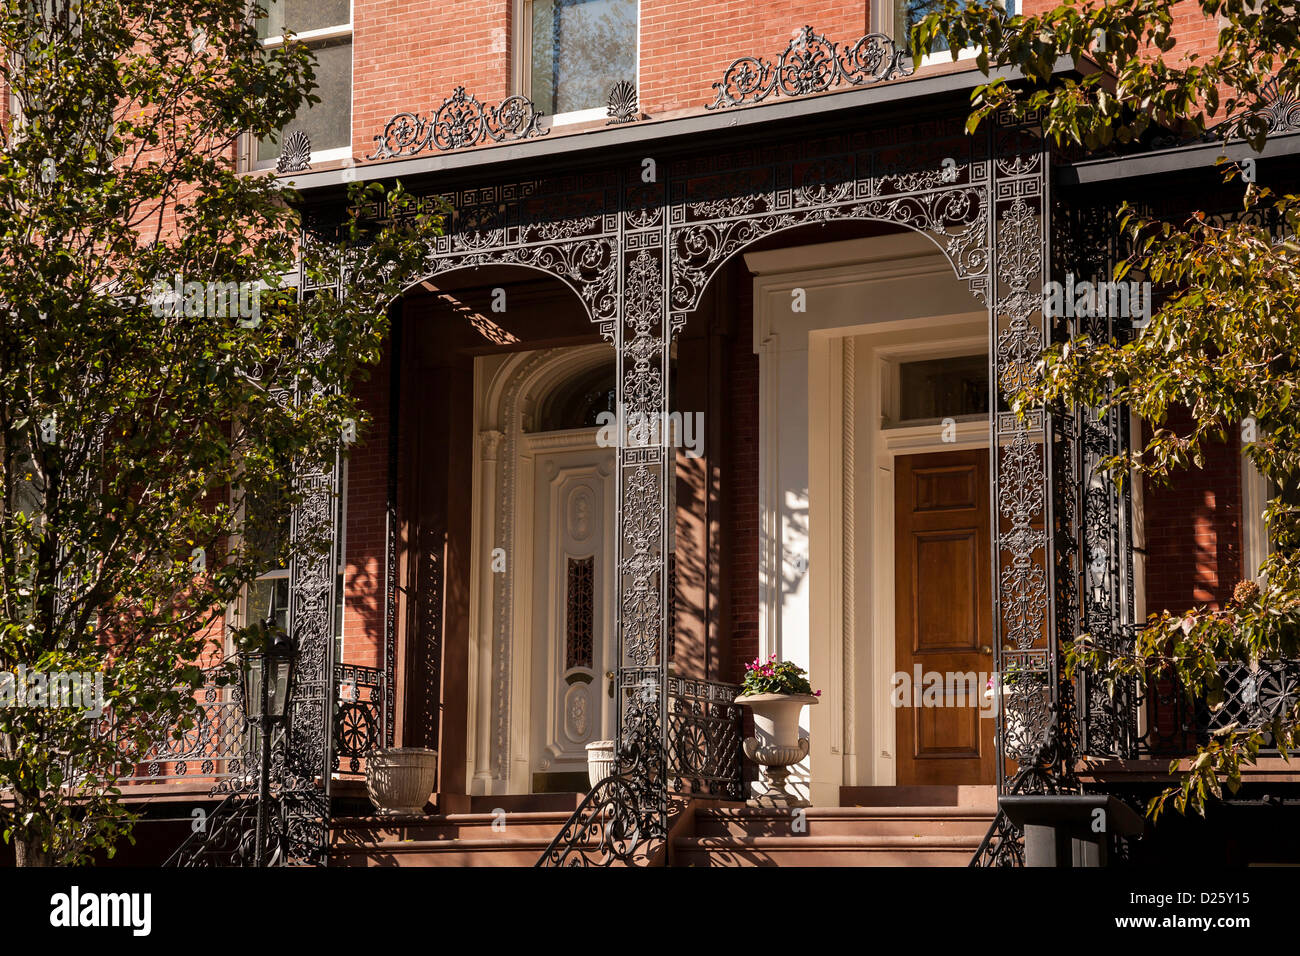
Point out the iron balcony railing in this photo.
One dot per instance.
(216, 748)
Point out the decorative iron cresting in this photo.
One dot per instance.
(461, 121)
(810, 64)
(1278, 114)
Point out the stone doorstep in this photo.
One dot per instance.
(845, 821)
(442, 853)
(376, 830)
(924, 850)
(984, 798)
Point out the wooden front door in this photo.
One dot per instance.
(944, 633)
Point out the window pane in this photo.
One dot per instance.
(269, 597)
(908, 13)
(302, 15)
(580, 49)
(329, 123)
(942, 388)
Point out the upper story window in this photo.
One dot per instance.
(573, 51)
(326, 27)
(898, 18)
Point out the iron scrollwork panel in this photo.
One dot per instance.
(1030, 725)
(642, 336)
(1096, 587)
(705, 728)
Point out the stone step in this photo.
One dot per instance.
(840, 850)
(505, 827)
(982, 797)
(843, 821)
(518, 852)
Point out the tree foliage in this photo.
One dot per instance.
(134, 429)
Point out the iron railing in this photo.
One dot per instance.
(624, 820)
(227, 837)
(1253, 698)
(704, 739)
(215, 748)
(358, 726)
(212, 749)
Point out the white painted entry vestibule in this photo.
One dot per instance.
(827, 376)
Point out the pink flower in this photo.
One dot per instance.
(817, 693)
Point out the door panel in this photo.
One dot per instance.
(943, 634)
(573, 541)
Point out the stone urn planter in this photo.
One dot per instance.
(1014, 724)
(400, 779)
(776, 745)
(600, 760)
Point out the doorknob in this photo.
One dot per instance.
(986, 649)
(609, 676)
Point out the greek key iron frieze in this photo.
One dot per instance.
(461, 121)
(810, 64)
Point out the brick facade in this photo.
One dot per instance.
(1193, 531)
(412, 55)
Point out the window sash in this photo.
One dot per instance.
(591, 106)
(264, 153)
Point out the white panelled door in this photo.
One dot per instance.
(573, 615)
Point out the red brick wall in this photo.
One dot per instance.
(740, 485)
(412, 54)
(1193, 529)
(367, 493)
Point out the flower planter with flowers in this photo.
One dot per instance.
(776, 692)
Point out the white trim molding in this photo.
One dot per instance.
(508, 392)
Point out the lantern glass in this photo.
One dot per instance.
(253, 667)
(279, 672)
(267, 677)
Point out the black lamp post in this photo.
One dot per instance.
(266, 669)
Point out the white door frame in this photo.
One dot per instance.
(508, 390)
(875, 628)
